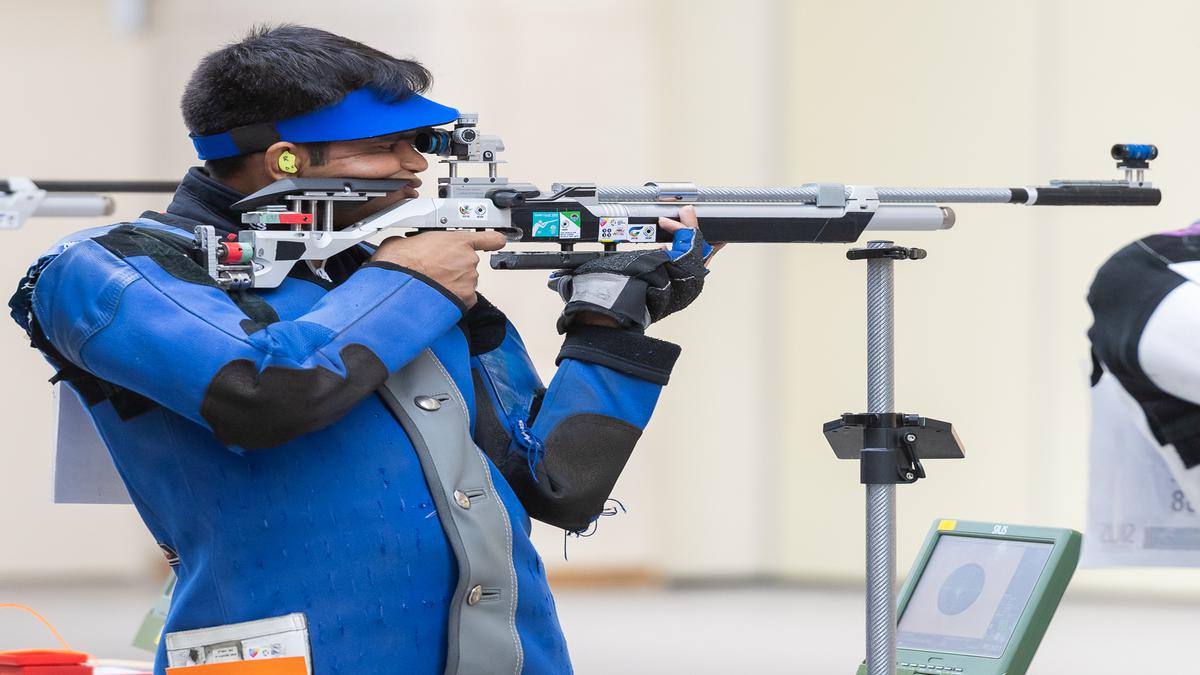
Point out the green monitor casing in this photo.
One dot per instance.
(980, 597)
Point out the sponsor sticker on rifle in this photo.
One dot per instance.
(614, 229)
(545, 223)
(568, 225)
(641, 233)
(472, 211)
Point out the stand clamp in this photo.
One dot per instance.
(890, 446)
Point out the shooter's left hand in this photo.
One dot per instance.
(631, 289)
(688, 220)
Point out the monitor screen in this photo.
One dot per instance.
(971, 594)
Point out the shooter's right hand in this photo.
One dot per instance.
(448, 258)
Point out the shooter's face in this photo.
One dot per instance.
(390, 157)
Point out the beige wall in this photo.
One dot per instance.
(991, 326)
(72, 108)
(733, 477)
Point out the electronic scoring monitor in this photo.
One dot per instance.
(980, 597)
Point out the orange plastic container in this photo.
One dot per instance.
(44, 662)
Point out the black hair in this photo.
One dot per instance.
(277, 72)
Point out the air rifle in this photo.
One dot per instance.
(293, 219)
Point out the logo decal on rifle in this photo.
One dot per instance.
(641, 233)
(614, 229)
(545, 223)
(568, 224)
(472, 211)
(556, 224)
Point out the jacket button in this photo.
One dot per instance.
(427, 403)
(474, 596)
(463, 500)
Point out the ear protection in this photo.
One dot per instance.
(287, 162)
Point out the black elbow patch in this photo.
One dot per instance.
(255, 409)
(485, 325)
(585, 455)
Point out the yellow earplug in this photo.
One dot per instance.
(287, 162)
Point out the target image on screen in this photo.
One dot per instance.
(971, 594)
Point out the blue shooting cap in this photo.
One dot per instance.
(362, 113)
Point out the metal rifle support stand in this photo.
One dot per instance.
(889, 447)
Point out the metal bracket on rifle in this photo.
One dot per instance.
(226, 261)
(299, 191)
(890, 446)
(296, 204)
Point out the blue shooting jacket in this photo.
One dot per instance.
(249, 429)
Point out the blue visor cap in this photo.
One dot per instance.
(362, 113)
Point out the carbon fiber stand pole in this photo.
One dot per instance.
(881, 498)
(889, 446)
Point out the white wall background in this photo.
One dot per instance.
(733, 479)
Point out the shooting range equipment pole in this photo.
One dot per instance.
(889, 447)
(881, 497)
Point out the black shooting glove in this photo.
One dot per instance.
(635, 288)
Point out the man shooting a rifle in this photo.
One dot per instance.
(289, 448)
